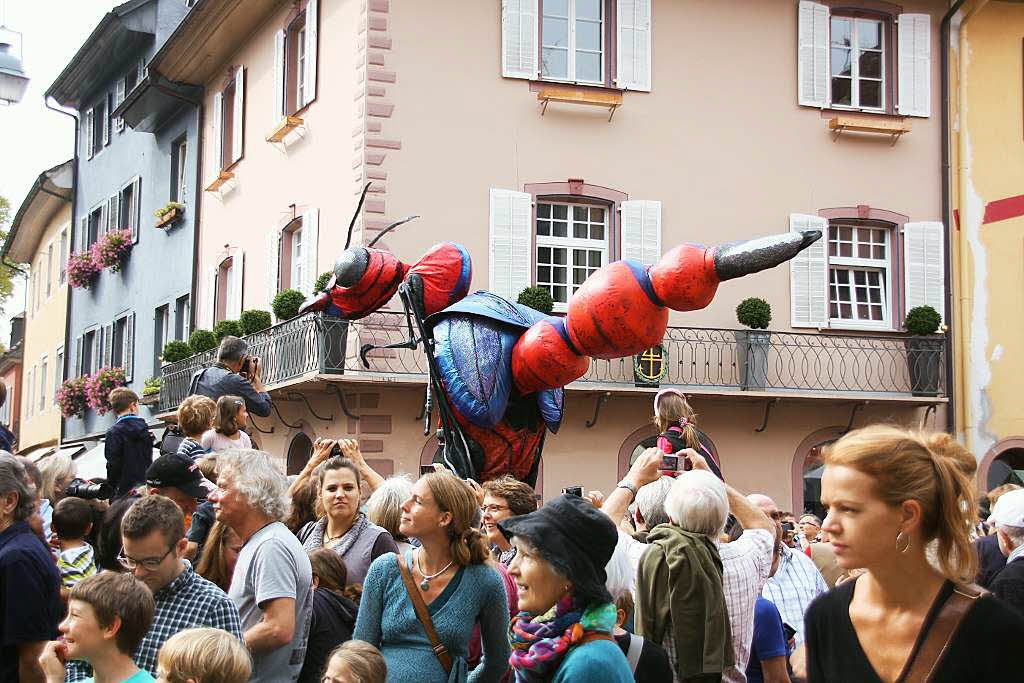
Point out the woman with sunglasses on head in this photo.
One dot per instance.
(230, 419)
(678, 424)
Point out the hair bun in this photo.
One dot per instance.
(944, 448)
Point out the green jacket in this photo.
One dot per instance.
(679, 587)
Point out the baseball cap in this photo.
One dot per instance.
(1009, 509)
(180, 472)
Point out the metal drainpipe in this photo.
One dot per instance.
(946, 214)
(962, 172)
(71, 242)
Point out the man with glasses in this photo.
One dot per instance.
(153, 534)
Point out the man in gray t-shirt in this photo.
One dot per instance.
(273, 581)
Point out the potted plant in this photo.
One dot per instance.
(150, 392)
(752, 346)
(81, 269)
(176, 350)
(924, 351)
(169, 214)
(226, 328)
(71, 397)
(286, 304)
(321, 282)
(202, 340)
(112, 250)
(99, 386)
(537, 298)
(254, 321)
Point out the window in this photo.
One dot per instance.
(32, 291)
(117, 343)
(860, 278)
(49, 269)
(63, 255)
(5, 409)
(42, 384)
(131, 79)
(572, 40)
(161, 324)
(225, 289)
(100, 131)
(178, 183)
(295, 61)
(88, 353)
(95, 226)
(572, 243)
(58, 370)
(293, 270)
(228, 121)
(857, 58)
(30, 403)
(127, 208)
(295, 45)
(181, 314)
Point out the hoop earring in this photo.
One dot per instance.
(899, 539)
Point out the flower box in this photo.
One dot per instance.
(169, 218)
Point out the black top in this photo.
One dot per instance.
(218, 381)
(129, 453)
(990, 560)
(1009, 585)
(980, 650)
(653, 665)
(202, 521)
(334, 619)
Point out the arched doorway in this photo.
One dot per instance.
(299, 452)
(647, 437)
(807, 470)
(1006, 468)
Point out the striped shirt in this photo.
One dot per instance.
(75, 564)
(795, 584)
(746, 563)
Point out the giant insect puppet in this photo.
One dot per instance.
(498, 368)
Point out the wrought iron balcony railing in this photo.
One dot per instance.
(751, 360)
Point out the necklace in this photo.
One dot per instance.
(425, 583)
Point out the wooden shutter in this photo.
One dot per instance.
(233, 308)
(106, 122)
(128, 353)
(808, 275)
(309, 94)
(104, 219)
(135, 215)
(641, 231)
(633, 45)
(83, 234)
(218, 132)
(113, 210)
(272, 277)
(238, 123)
(90, 116)
(118, 99)
(208, 298)
(279, 84)
(519, 30)
(923, 265)
(310, 239)
(812, 54)
(915, 64)
(510, 260)
(107, 343)
(79, 348)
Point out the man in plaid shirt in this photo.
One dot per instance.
(153, 533)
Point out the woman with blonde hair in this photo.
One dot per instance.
(228, 423)
(677, 422)
(901, 506)
(420, 609)
(203, 655)
(355, 661)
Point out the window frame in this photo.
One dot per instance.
(100, 123)
(43, 362)
(59, 373)
(852, 264)
(179, 170)
(134, 217)
(568, 243)
(608, 46)
(64, 252)
(227, 124)
(49, 270)
(877, 10)
(295, 54)
(222, 291)
(182, 312)
(161, 333)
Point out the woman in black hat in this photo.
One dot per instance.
(563, 630)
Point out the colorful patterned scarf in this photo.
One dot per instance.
(539, 643)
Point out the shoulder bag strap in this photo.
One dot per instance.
(424, 616)
(937, 640)
(636, 647)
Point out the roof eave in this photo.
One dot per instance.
(51, 188)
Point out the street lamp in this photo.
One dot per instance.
(13, 80)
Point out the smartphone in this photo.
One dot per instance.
(788, 526)
(669, 462)
(426, 469)
(788, 631)
(573, 491)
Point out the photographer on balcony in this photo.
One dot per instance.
(235, 373)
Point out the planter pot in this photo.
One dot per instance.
(168, 219)
(752, 358)
(335, 345)
(150, 400)
(924, 362)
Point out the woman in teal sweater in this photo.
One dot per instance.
(564, 629)
(451, 573)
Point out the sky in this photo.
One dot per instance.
(33, 138)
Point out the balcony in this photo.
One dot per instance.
(753, 364)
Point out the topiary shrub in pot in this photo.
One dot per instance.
(321, 282)
(924, 352)
(226, 328)
(202, 340)
(537, 298)
(176, 350)
(254, 321)
(752, 346)
(286, 304)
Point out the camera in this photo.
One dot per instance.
(335, 450)
(788, 526)
(249, 365)
(669, 462)
(80, 488)
(573, 491)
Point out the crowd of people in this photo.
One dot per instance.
(214, 567)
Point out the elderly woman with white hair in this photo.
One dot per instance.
(273, 581)
(58, 472)
(384, 508)
(681, 602)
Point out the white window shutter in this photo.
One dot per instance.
(234, 307)
(915, 64)
(808, 275)
(79, 348)
(923, 265)
(135, 215)
(310, 238)
(107, 334)
(89, 118)
(273, 275)
(641, 231)
(239, 115)
(813, 54)
(510, 260)
(104, 219)
(209, 298)
(113, 221)
(519, 35)
(218, 133)
(311, 51)
(83, 234)
(106, 124)
(633, 45)
(118, 99)
(279, 84)
(128, 354)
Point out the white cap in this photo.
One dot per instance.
(1009, 509)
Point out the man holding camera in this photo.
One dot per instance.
(235, 373)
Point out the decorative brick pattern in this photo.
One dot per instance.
(375, 424)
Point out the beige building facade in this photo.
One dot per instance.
(551, 138)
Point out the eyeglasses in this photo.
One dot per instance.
(492, 508)
(150, 563)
